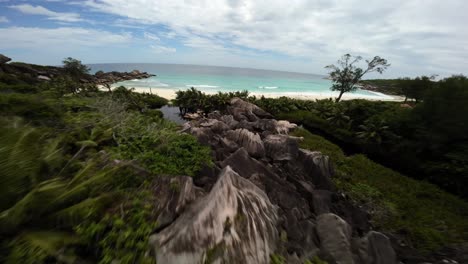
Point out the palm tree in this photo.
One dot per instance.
(373, 132)
(339, 118)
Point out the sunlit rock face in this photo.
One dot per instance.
(234, 223)
(250, 141)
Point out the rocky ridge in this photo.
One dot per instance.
(264, 196)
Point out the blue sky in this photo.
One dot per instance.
(416, 36)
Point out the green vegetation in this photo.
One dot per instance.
(427, 142)
(427, 216)
(192, 100)
(77, 169)
(74, 68)
(346, 74)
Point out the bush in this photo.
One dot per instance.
(138, 101)
(428, 217)
(158, 147)
(192, 100)
(31, 107)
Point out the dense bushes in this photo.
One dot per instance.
(138, 101)
(193, 100)
(426, 216)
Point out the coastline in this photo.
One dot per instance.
(171, 94)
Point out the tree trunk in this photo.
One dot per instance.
(339, 97)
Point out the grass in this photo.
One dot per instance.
(428, 217)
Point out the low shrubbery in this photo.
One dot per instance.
(192, 100)
(426, 216)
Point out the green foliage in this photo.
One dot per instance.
(346, 75)
(23, 162)
(277, 259)
(31, 107)
(416, 88)
(138, 101)
(314, 142)
(429, 217)
(74, 68)
(58, 172)
(158, 148)
(122, 235)
(193, 100)
(42, 247)
(315, 260)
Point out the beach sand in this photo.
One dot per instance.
(171, 94)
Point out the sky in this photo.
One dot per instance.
(417, 37)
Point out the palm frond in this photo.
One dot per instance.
(86, 209)
(38, 246)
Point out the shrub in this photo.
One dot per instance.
(428, 217)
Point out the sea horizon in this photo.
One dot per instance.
(212, 79)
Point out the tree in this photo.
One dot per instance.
(346, 74)
(416, 88)
(75, 68)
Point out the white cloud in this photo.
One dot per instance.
(58, 38)
(151, 36)
(52, 15)
(162, 49)
(412, 34)
(4, 19)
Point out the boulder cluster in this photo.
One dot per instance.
(263, 197)
(107, 78)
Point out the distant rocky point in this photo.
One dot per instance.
(47, 73)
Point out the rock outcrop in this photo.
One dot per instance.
(108, 78)
(4, 59)
(47, 73)
(264, 195)
(234, 223)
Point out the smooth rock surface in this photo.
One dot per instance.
(335, 235)
(249, 140)
(234, 223)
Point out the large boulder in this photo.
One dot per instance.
(4, 59)
(318, 167)
(281, 147)
(242, 110)
(173, 195)
(234, 223)
(335, 235)
(250, 141)
(375, 248)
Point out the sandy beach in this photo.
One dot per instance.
(171, 94)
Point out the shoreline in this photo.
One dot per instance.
(170, 94)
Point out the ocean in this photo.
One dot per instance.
(228, 79)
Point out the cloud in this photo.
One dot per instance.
(410, 33)
(59, 38)
(4, 19)
(150, 36)
(162, 49)
(39, 10)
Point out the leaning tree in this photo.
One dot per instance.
(346, 74)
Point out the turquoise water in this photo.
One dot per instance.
(225, 79)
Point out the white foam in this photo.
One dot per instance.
(268, 87)
(201, 86)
